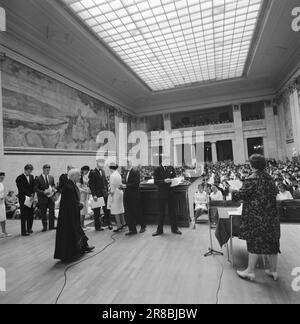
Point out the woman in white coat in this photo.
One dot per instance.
(2, 206)
(115, 198)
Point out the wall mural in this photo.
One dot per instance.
(40, 112)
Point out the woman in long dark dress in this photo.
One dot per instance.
(260, 224)
(71, 242)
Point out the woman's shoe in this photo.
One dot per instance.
(118, 230)
(245, 275)
(273, 275)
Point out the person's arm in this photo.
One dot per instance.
(135, 182)
(37, 187)
(22, 189)
(92, 184)
(245, 192)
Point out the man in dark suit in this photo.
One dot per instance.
(99, 188)
(45, 189)
(25, 184)
(163, 176)
(132, 200)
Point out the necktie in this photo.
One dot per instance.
(128, 174)
(47, 182)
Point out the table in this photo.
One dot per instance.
(228, 227)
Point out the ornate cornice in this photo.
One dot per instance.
(293, 85)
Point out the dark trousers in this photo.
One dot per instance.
(49, 205)
(132, 210)
(26, 219)
(106, 213)
(97, 215)
(167, 200)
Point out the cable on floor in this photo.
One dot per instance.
(79, 262)
(220, 283)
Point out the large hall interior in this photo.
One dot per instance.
(86, 79)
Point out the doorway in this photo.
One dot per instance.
(255, 146)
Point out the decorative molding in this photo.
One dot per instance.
(41, 151)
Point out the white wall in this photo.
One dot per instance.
(14, 165)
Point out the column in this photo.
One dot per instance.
(271, 144)
(295, 110)
(238, 144)
(1, 129)
(246, 149)
(282, 130)
(281, 154)
(167, 123)
(214, 152)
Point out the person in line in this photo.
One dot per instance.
(84, 189)
(2, 206)
(163, 176)
(25, 184)
(260, 224)
(71, 241)
(115, 199)
(99, 188)
(45, 189)
(12, 205)
(132, 199)
(284, 194)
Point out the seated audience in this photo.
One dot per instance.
(12, 205)
(216, 194)
(284, 194)
(200, 201)
(2, 206)
(297, 192)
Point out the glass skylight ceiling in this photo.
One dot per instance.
(175, 43)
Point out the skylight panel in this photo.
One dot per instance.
(174, 43)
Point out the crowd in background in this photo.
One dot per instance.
(216, 184)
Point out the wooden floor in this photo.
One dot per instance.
(142, 269)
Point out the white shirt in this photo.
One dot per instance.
(127, 177)
(27, 177)
(284, 196)
(218, 196)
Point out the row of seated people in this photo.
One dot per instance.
(216, 193)
(201, 123)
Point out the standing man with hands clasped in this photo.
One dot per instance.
(99, 188)
(163, 176)
(45, 189)
(25, 184)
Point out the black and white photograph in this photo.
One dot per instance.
(149, 155)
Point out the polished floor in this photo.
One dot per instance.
(142, 269)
